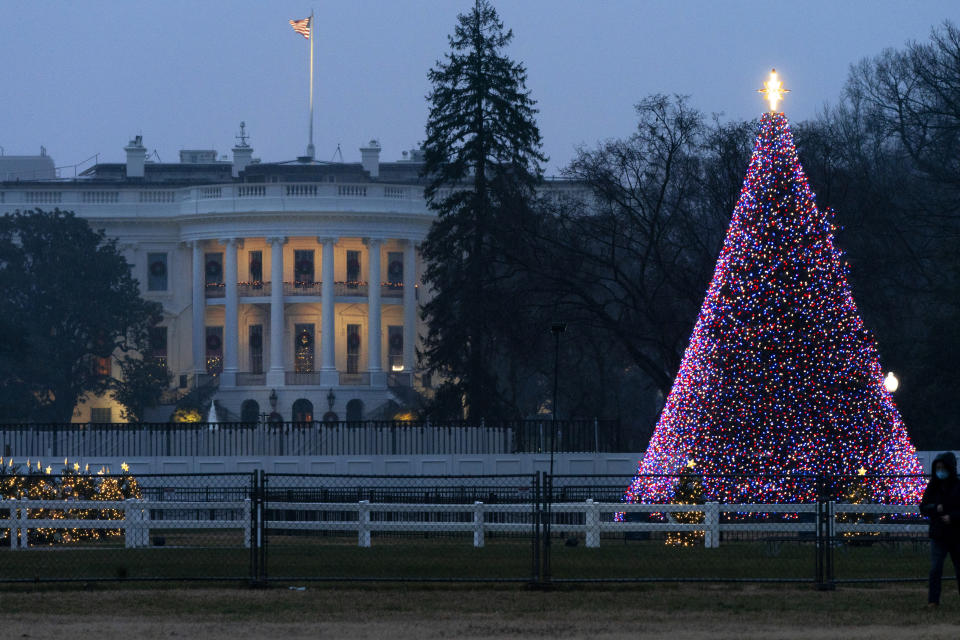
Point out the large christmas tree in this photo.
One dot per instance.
(781, 380)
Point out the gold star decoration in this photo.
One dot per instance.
(124, 466)
(691, 464)
(76, 466)
(773, 90)
(861, 471)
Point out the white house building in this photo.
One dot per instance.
(297, 280)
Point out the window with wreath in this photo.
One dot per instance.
(255, 268)
(353, 268)
(214, 345)
(303, 348)
(303, 267)
(394, 269)
(156, 272)
(213, 269)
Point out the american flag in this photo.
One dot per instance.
(302, 27)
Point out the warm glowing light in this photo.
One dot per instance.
(691, 464)
(49, 469)
(861, 471)
(76, 466)
(124, 466)
(773, 90)
(891, 383)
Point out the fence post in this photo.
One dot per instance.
(246, 519)
(478, 524)
(14, 531)
(363, 524)
(592, 520)
(824, 562)
(711, 532)
(22, 541)
(132, 524)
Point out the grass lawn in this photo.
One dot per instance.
(468, 612)
(218, 555)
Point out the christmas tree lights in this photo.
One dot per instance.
(37, 483)
(781, 380)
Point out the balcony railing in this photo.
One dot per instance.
(298, 379)
(354, 379)
(215, 289)
(253, 289)
(389, 290)
(251, 379)
(350, 289)
(302, 288)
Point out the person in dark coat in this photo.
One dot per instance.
(941, 505)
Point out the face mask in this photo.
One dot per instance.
(943, 474)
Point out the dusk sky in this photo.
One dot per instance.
(84, 77)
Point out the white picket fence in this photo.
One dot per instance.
(478, 518)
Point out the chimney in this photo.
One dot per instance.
(136, 157)
(370, 158)
(242, 152)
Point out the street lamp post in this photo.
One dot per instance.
(556, 328)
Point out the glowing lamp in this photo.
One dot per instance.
(891, 383)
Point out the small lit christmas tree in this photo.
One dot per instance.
(689, 491)
(780, 380)
(36, 482)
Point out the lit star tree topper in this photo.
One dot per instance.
(773, 90)
(781, 380)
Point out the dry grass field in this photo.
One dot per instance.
(473, 612)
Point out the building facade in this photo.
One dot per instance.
(287, 288)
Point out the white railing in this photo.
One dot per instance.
(477, 518)
(100, 197)
(135, 523)
(593, 526)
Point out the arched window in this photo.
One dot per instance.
(330, 416)
(355, 410)
(302, 410)
(250, 411)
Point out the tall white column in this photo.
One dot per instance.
(409, 306)
(199, 310)
(328, 352)
(231, 312)
(377, 375)
(276, 374)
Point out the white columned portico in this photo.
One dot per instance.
(276, 374)
(199, 311)
(377, 376)
(409, 306)
(328, 353)
(231, 340)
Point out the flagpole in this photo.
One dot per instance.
(310, 148)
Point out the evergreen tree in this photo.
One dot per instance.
(781, 379)
(482, 163)
(70, 299)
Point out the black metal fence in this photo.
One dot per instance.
(307, 438)
(532, 528)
